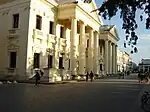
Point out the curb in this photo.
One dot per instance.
(45, 83)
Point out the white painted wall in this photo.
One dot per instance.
(6, 18)
(28, 9)
(48, 13)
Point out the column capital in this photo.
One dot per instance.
(110, 41)
(106, 40)
(81, 22)
(96, 32)
(72, 18)
(113, 43)
(91, 29)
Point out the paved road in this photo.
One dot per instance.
(98, 96)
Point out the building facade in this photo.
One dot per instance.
(144, 65)
(61, 37)
(108, 49)
(123, 61)
(133, 67)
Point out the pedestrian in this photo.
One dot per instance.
(87, 76)
(139, 77)
(41, 73)
(128, 73)
(37, 78)
(91, 76)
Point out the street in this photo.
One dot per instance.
(110, 95)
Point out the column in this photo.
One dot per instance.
(106, 56)
(96, 58)
(82, 57)
(116, 59)
(73, 46)
(113, 59)
(90, 52)
(109, 58)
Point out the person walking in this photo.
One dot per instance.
(37, 78)
(87, 76)
(91, 76)
(139, 77)
(41, 73)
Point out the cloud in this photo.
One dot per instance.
(145, 37)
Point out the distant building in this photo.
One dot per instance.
(144, 65)
(123, 61)
(132, 66)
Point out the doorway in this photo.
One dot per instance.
(36, 60)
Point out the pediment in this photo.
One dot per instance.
(90, 9)
(93, 7)
(114, 32)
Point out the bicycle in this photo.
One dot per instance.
(145, 101)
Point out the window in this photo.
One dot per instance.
(69, 63)
(61, 32)
(15, 20)
(79, 40)
(38, 22)
(50, 61)
(13, 58)
(99, 42)
(60, 62)
(100, 49)
(101, 67)
(51, 26)
(36, 60)
(88, 43)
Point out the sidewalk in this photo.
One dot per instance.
(109, 77)
(33, 82)
(9, 80)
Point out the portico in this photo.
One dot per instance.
(108, 41)
(84, 36)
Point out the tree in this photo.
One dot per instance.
(128, 9)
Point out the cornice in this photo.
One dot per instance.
(49, 3)
(86, 13)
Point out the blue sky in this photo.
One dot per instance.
(143, 44)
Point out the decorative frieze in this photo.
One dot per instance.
(37, 34)
(13, 33)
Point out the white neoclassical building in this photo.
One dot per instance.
(108, 49)
(62, 37)
(123, 61)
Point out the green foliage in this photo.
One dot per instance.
(128, 10)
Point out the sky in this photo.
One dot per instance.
(143, 44)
